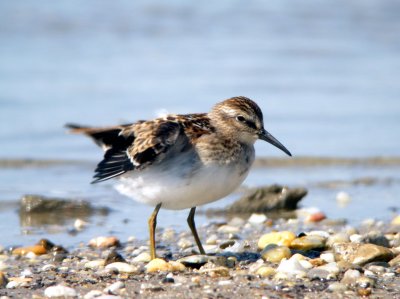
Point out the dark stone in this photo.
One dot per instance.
(264, 200)
(114, 257)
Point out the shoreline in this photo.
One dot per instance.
(262, 162)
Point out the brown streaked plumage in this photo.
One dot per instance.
(171, 161)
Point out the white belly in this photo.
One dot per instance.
(175, 191)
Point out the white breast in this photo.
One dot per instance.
(175, 192)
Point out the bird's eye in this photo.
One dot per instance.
(240, 118)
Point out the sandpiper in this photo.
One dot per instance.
(182, 161)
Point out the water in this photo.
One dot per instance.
(324, 72)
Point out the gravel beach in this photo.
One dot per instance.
(256, 257)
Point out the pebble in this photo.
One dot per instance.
(93, 294)
(212, 240)
(279, 238)
(328, 271)
(114, 288)
(196, 261)
(18, 282)
(219, 271)
(273, 253)
(360, 254)
(257, 219)
(356, 238)
(60, 291)
(328, 257)
(35, 249)
(104, 242)
(291, 267)
(308, 242)
(185, 243)
(143, 257)
(237, 221)
(80, 224)
(317, 273)
(123, 267)
(228, 229)
(94, 265)
(343, 198)
(158, 264)
(337, 238)
(350, 277)
(48, 267)
(265, 271)
(337, 287)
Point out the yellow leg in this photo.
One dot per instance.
(192, 225)
(152, 230)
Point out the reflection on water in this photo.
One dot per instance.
(39, 212)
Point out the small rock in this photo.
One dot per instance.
(376, 238)
(35, 249)
(93, 294)
(356, 238)
(177, 266)
(194, 261)
(60, 291)
(308, 242)
(292, 267)
(216, 271)
(114, 257)
(337, 238)
(265, 271)
(318, 274)
(257, 219)
(212, 240)
(158, 265)
(328, 257)
(18, 282)
(228, 229)
(123, 267)
(361, 254)
(80, 224)
(114, 288)
(48, 267)
(144, 257)
(185, 243)
(337, 287)
(315, 217)
(343, 198)
(104, 242)
(267, 199)
(365, 282)
(273, 253)
(279, 238)
(94, 265)
(350, 277)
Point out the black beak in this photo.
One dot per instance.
(264, 135)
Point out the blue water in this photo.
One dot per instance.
(325, 73)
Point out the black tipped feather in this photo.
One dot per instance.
(115, 163)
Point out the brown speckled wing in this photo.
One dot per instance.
(153, 139)
(136, 146)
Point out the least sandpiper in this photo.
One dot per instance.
(182, 161)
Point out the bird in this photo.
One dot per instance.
(181, 161)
